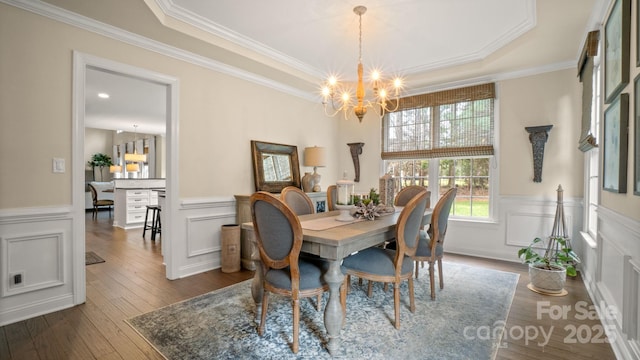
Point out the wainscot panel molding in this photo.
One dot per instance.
(611, 272)
(519, 220)
(201, 220)
(37, 244)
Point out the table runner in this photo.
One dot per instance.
(325, 223)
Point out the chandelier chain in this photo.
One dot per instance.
(360, 40)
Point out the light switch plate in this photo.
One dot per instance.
(58, 165)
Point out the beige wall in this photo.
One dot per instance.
(218, 114)
(548, 99)
(98, 141)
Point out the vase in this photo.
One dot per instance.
(315, 181)
(549, 281)
(307, 182)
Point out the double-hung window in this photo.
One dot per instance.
(443, 140)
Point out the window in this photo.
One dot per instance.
(441, 140)
(590, 75)
(592, 163)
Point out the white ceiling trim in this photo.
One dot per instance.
(493, 78)
(92, 25)
(190, 18)
(483, 53)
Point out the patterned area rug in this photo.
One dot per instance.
(465, 321)
(92, 258)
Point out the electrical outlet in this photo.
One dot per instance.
(16, 279)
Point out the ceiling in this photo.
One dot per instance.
(416, 39)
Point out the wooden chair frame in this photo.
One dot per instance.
(437, 236)
(99, 203)
(291, 260)
(292, 191)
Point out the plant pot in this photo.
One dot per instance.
(550, 281)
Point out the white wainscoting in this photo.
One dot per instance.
(202, 219)
(519, 220)
(37, 243)
(611, 273)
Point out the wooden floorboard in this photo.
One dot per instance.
(131, 281)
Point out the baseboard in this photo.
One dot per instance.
(31, 310)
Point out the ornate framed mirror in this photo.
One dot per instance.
(275, 166)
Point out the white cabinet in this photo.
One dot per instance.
(131, 206)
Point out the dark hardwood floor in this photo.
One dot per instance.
(132, 281)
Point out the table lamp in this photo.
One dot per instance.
(317, 157)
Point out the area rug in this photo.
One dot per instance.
(465, 321)
(92, 258)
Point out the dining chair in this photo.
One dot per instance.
(408, 192)
(297, 200)
(279, 237)
(97, 203)
(332, 197)
(389, 266)
(431, 244)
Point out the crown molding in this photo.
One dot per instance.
(100, 28)
(196, 21)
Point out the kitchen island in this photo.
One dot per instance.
(131, 199)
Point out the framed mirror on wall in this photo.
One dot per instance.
(275, 166)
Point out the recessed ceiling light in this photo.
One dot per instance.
(103, 95)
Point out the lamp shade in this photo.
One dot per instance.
(315, 156)
(115, 169)
(133, 167)
(135, 157)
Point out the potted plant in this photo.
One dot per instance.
(99, 160)
(548, 272)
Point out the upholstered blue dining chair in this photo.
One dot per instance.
(389, 266)
(297, 200)
(279, 237)
(431, 244)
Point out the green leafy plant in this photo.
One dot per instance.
(99, 160)
(558, 254)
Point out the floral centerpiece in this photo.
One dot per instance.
(369, 207)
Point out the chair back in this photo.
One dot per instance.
(278, 232)
(94, 193)
(408, 192)
(332, 197)
(297, 200)
(440, 217)
(409, 225)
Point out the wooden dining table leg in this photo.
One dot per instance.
(333, 316)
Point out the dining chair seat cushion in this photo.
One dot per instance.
(103, 202)
(376, 261)
(424, 246)
(311, 275)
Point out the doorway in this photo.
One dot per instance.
(82, 64)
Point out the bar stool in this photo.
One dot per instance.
(155, 226)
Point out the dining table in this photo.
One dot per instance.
(332, 240)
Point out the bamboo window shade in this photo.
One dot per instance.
(587, 141)
(451, 123)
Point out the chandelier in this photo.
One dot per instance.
(385, 95)
(134, 157)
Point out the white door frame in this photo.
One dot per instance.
(80, 63)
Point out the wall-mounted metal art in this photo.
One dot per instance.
(538, 136)
(356, 150)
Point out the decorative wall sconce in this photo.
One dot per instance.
(356, 150)
(538, 136)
